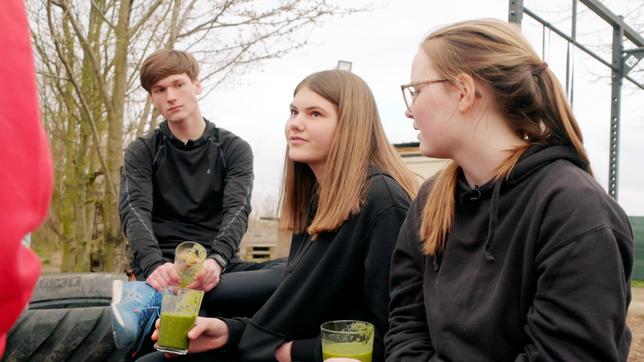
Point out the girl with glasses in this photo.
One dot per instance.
(345, 195)
(513, 252)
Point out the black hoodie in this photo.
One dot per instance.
(341, 275)
(536, 268)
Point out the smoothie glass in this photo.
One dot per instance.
(179, 309)
(188, 261)
(347, 338)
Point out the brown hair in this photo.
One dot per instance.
(166, 62)
(526, 92)
(359, 141)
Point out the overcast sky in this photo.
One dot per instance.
(381, 45)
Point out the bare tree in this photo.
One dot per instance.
(87, 57)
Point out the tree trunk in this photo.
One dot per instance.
(69, 196)
(114, 257)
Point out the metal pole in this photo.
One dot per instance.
(565, 36)
(622, 62)
(603, 12)
(617, 78)
(570, 57)
(515, 13)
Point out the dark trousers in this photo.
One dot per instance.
(243, 288)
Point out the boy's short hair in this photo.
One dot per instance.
(166, 62)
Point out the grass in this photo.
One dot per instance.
(637, 284)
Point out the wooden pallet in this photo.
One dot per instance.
(258, 252)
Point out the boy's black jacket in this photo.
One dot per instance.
(173, 191)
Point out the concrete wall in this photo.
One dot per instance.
(423, 166)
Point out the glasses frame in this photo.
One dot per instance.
(414, 92)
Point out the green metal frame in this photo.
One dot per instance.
(637, 223)
(621, 63)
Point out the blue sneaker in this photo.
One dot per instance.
(135, 307)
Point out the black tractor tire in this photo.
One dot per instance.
(73, 290)
(68, 319)
(68, 334)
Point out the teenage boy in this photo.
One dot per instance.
(187, 180)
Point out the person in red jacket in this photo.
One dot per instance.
(26, 176)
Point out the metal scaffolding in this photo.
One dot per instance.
(621, 63)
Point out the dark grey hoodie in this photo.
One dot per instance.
(536, 268)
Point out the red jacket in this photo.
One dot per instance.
(25, 165)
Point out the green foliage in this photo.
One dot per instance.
(637, 284)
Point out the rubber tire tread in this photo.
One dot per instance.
(72, 334)
(72, 290)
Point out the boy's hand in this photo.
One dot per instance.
(208, 277)
(164, 276)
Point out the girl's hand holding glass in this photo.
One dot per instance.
(206, 335)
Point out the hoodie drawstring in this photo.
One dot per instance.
(494, 216)
(437, 261)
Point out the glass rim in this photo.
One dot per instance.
(174, 289)
(172, 350)
(188, 242)
(194, 245)
(368, 325)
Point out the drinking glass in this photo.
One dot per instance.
(188, 261)
(347, 338)
(179, 309)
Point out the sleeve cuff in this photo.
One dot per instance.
(151, 268)
(236, 328)
(307, 350)
(219, 259)
(222, 249)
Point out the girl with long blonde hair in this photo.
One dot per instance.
(513, 252)
(345, 195)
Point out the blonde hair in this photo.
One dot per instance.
(358, 142)
(525, 91)
(165, 62)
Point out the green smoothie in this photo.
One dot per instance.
(357, 350)
(174, 328)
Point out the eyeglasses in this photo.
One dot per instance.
(409, 93)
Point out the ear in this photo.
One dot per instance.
(197, 86)
(467, 91)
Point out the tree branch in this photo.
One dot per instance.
(135, 28)
(100, 13)
(84, 107)
(102, 87)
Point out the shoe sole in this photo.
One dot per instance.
(117, 289)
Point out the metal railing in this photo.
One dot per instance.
(621, 63)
